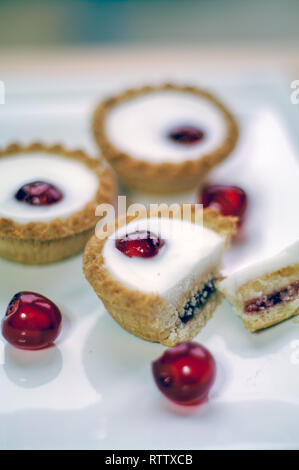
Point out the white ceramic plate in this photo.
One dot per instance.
(95, 389)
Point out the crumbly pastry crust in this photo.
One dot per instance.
(78, 222)
(34, 252)
(149, 316)
(42, 242)
(161, 177)
(265, 285)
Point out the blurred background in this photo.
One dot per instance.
(105, 36)
(125, 22)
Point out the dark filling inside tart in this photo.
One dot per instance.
(198, 301)
(264, 302)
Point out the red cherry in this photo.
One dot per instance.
(186, 135)
(39, 193)
(31, 322)
(185, 373)
(229, 200)
(139, 244)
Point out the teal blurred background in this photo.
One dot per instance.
(121, 22)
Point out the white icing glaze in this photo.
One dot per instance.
(76, 181)
(139, 127)
(190, 251)
(287, 257)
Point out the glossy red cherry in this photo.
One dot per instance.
(139, 244)
(185, 373)
(31, 322)
(39, 193)
(229, 200)
(186, 135)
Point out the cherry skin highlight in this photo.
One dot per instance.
(185, 373)
(39, 193)
(229, 200)
(31, 321)
(186, 135)
(139, 244)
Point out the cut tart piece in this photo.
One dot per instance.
(164, 139)
(266, 292)
(156, 275)
(48, 197)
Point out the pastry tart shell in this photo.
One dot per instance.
(47, 242)
(161, 177)
(147, 315)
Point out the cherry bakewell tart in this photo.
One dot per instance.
(266, 292)
(156, 275)
(48, 197)
(164, 139)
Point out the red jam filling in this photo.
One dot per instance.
(260, 304)
(39, 193)
(141, 244)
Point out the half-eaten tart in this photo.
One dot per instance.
(156, 275)
(165, 138)
(48, 197)
(267, 292)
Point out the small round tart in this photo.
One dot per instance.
(164, 139)
(48, 197)
(156, 275)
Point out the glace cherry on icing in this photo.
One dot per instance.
(143, 244)
(39, 193)
(186, 135)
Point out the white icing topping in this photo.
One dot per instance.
(140, 126)
(287, 257)
(76, 181)
(190, 251)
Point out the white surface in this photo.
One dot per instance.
(78, 188)
(94, 389)
(189, 251)
(140, 126)
(287, 257)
